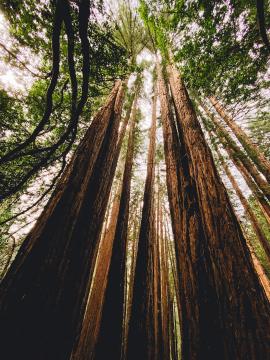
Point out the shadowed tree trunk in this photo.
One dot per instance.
(164, 289)
(173, 268)
(252, 150)
(44, 293)
(183, 207)
(226, 288)
(91, 322)
(132, 270)
(140, 334)
(110, 338)
(85, 347)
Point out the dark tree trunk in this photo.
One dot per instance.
(141, 334)
(230, 312)
(186, 229)
(44, 293)
(110, 339)
(164, 290)
(132, 270)
(91, 323)
(85, 346)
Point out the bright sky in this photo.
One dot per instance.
(14, 79)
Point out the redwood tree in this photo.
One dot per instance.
(44, 293)
(110, 339)
(221, 268)
(140, 334)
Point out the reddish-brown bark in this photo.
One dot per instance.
(225, 307)
(91, 323)
(110, 338)
(44, 293)
(140, 333)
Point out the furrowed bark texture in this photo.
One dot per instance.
(85, 346)
(258, 157)
(110, 339)
(140, 334)
(186, 228)
(233, 312)
(44, 293)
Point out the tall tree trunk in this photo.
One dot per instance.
(44, 293)
(110, 339)
(239, 154)
(140, 333)
(91, 323)
(181, 190)
(156, 292)
(240, 161)
(164, 290)
(250, 214)
(173, 269)
(85, 346)
(260, 271)
(221, 271)
(132, 270)
(157, 279)
(252, 150)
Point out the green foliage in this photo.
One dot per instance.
(32, 27)
(156, 31)
(217, 44)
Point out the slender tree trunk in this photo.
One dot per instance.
(239, 154)
(262, 202)
(260, 271)
(222, 276)
(250, 214)
(44, 293)
(110, 339)
(88, 337)
(236, 155)
(140, 333)
(156, 293)
(132, 271)
(164, 290)
(173, 270)
(252, 150)
(157, 278)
